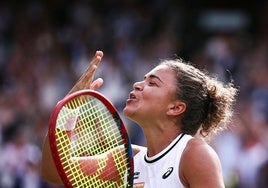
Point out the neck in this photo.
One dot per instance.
(158, 139)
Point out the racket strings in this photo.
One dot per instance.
(95, 133)
(98, 122)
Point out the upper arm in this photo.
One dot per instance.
(200, 166)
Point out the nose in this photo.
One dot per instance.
(137, 86)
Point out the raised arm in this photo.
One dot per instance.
(48, 168)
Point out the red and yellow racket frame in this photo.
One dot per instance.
(119, 122)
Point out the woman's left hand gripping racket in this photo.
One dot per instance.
(89, 142)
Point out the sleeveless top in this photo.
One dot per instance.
(161, 170)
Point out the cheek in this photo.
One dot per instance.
(153, 105)
(156, 99)
(160, 103)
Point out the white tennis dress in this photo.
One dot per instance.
(161, 170)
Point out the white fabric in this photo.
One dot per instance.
(161, 170)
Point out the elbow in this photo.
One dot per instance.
(49, 174)
(50, 178)
(45, 177)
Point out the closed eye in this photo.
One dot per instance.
(152, 84)
(152, 79)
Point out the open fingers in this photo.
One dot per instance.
(96, 59)
(85, 81)
(94, 65)
(96, 84)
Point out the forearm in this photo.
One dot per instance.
(48, 169)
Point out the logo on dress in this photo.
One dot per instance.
(139, 185)
(168, 172)
(136, 175)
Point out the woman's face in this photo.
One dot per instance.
(151, 97)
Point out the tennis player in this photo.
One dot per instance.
(177, 106)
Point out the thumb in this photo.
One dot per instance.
(96, 84)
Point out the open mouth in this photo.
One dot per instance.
(132, 96)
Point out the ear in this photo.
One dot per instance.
(176, 108)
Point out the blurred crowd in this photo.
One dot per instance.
(46, 45)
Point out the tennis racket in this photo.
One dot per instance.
(89, 142)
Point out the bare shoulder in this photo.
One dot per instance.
(200, 165)
(196, 148)
(136, 148)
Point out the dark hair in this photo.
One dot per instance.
(209, 102)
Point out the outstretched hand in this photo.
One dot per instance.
(86, 80)
(48, 168)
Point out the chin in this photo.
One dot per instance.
(128, 113)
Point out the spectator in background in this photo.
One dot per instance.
(19, 160)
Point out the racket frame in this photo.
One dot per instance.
(52, 136)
